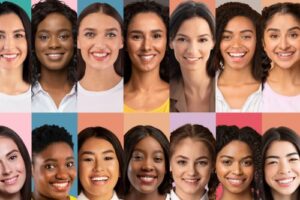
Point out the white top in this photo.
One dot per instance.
(83, 197)
(43, 102)
(252, 104)
(274, 102)
(104, 101)
(16, 103)
(175, 197)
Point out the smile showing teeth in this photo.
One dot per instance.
(236, 54)
(285, 181)
(101, 178)
(55, 56)
(235, 181)
(286, 54)
(10, 181)
(61, 186)
(192, 59)
(147, 179)
(193, 180)
(147, 57)
(100, 55)
(9, 56)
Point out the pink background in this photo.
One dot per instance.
(71, 3)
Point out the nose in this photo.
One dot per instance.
(54, 42)
(236, 42)
(192, 47)
(62, 173)
(283, 43)
(9, 43)
(147, 165)
(284, 167)
(191, 169)
(147, 43)
(5, 169)
(237, 170)
(98, 166)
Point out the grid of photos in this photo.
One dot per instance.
(150, 99)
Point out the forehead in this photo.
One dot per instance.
(183, 147)
(7, 145)
(10, 21)
(283, 20)
(281, 148)
(239, 23)
(236, 149)
(146, 22)
(195, 24)
(54, 22)
(56, 151)
(92, 21)
(149, 145)
(96, 145)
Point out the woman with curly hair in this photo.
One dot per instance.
(192, 35)
(191, 168)
(54, 57)
(15, 70)
(146, 68)
(281, 39)
(237, 59)
(281, 155)
(238, 163)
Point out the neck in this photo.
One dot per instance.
(232, 76)
(54, 79)
(144, 81)
(11, 81)
(106, 196)
(195, 196)
(15, 196)
(246, 195)
(290, 76)
(294, 196)
(99, 80)
(133, 195)
(38, 196)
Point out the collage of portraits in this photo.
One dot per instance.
(150, 99)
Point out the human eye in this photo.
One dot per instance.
(226, 37)
(202, 163)
(49, 166)
(294, 158)
(43, 37)
(202, 40)
(13, 157)
(158, 159)
(19, 35)
(110, 35)
(226, 162)
(271, 162)
(181, 39)
(246, 37)
(87, 159)
(2, 36)
(89, 34)
(64, 36)
(247, 163)
(70, 164)
(274, 36)
(157, 35)
(293, 35)
(136, 156)
(181, 162)
(136, 36)
(108, 158)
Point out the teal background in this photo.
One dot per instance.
(66, 120)
(25, 4)
(117, 4)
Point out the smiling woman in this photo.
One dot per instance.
(14, 59)
(53, 163)
(15, 171)
(146, 67)
(54, 57)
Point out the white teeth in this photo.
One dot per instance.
(60, 185)
(191, 180)
(9, 56)
(10, 181)
(235, 181)
(100, 55)
(147, 178)
(285, 54)
(192, 59)
(237, 54)
(147, 58)
(286, 181)
(101, 178)
(55, 55)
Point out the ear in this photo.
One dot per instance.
(171, 44)
(78, 44)
(122, 43)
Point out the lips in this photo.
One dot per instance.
(9, 57)
(236, 181)
(192, 59)
(191, 180)
(285, 182)
(99, 180)
(100, 56)
(55, 56)
(61, 186)
(10, 181)
(147, 179)
(147, 58)
(285, 55)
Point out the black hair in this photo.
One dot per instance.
(39, 12)
(278, 134)
(103, 133)
(107, 10)
(8, 8)
(269, 12)
(135, 135)
(8, 133)
(183, 12)
(224, 14)
(131, 10)
(46, 135)
(197, 133)
(225, 135)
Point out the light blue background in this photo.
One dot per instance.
(117, 4)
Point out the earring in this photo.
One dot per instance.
(221, 65)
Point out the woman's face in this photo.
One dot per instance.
(98, 167)
(54, 171)
(191, 167)
(282, 168)
(12, 167)
(146, 168)
(192, 43)
(13, 44)
(54, 42)
(99, 42)
(234, 167)
(238, 43)
(282, 40)
(146, 41)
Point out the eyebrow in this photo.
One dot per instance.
(243, 31)
(141, 150)
(199, 158)
(107, 29)
(246, 157)
(55, 160)
(141, 32)
(290, 29)
(93, 153)
(15, 31)
(60, 30)
(277, 157)
(202, 35)
(12, 151)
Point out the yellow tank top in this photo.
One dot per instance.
(72, 198)
(164, 108)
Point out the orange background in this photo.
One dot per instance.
(270, 2)
(290, 120)
(111, 121)
(158, 120)
(209, 3)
